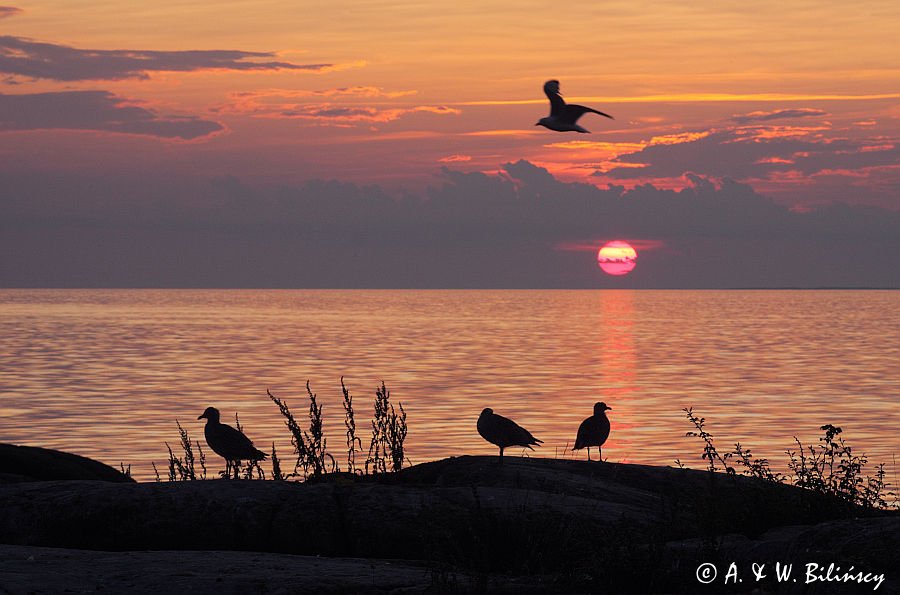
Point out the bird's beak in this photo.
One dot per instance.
(201, 417)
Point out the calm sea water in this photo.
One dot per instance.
(105, 373)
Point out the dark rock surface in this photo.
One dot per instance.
(346, 517)
(31, 463)
(26, 570)
(537, 523)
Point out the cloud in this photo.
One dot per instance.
(638, 244)
(95, 110)
(753, 152)
(9, 11)
(354, 91)
(455, 159)
(256, 105)
(468, 230)
(803, 112)
(516, 132)
(348, 114)
(24, 57)
(345, 110)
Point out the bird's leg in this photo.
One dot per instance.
(600, 452)
(501, 455)
(589, 452)
(227, 469)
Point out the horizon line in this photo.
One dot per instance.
(223, 288)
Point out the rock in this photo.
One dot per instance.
(866, 545)
(565, 525)
(384, 515)
(31, 463)
(27, 570)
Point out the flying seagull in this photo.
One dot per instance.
(228, 443)
(563, 117)
(594, 430)
(504, 432)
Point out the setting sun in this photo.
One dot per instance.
(617, 258)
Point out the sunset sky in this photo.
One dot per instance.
(229, 143)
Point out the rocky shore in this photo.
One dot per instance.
(457, 525)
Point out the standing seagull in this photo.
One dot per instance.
(504, 432)
(594, 430)
(228, 443)
(563, 117)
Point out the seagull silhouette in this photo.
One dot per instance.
(228, 443)
(564, 117)
(594, 430)
(504, 432)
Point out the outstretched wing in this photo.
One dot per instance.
(571, 113)
(557, 105)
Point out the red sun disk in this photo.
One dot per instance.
(617, 258)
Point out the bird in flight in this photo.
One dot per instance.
(564, 117)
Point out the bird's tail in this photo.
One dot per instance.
(259, 455)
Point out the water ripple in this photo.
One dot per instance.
(106, 373)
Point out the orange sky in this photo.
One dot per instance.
(799, 99)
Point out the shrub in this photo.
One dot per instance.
(350, 425)
(830, 467)
(388, 434)
(183, 468)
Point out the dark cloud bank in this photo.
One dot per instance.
(38, 60)
(733, 153)
(95, 110)
(521, 230)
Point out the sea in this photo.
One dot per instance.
(107, 373)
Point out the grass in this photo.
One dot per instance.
(184, 468)
(829, 468)
(310, 446)
(389, 430)
(388, 435)
(277, 474)
(350, 424)
(311, 456)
